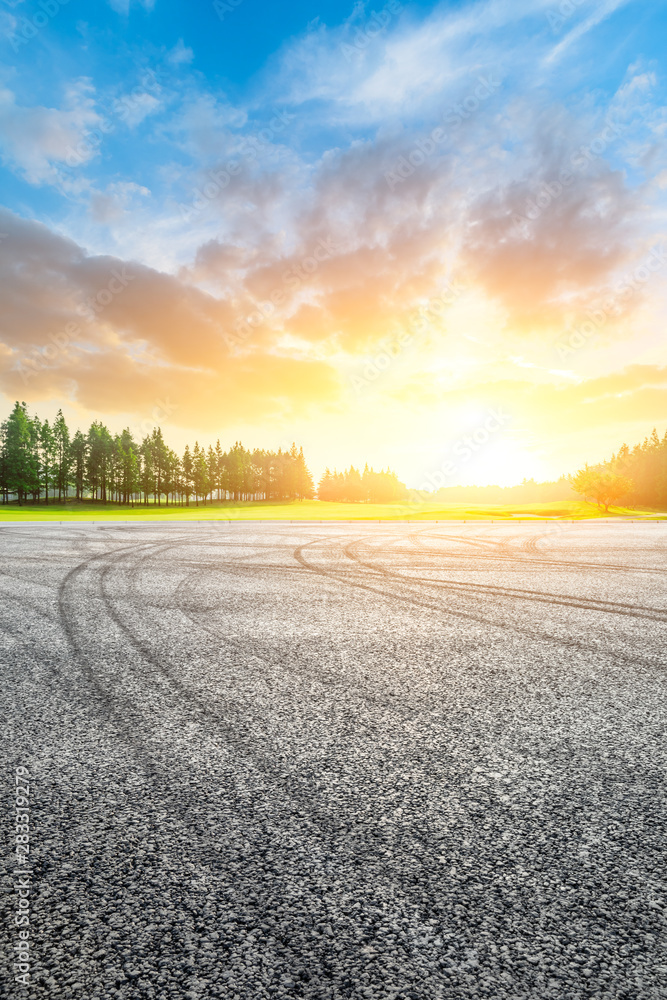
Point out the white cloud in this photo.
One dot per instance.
(202, 126)
(133, 108)
(180, 54)
(36, 141)
(404, 68)
(112, 205)
(602, 11)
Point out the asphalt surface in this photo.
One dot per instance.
(338, 761)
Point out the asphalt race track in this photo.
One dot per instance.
(338, 761)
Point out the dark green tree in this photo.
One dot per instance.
(187, 475)
(63, 455)
(47, 445)
(20, 467)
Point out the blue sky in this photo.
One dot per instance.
(213, 149)
(143, 67)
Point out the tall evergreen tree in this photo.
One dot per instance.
(199, 473)
(63, 455)
(113, 468)
(48, 457)
(219, 469)
(98, 459)
(304, 481)
(35, 429)
(326, 487)
(20, 468)
(147, 476)
(186, 472)
(79, 451)
(211, 470)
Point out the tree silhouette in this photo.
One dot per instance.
(63, 454)
(353, 487)
(47, 446)
(187, 486)
(39, 459)
(602, 485)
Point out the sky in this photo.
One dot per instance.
(430, 236)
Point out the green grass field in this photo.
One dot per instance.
(314, 510)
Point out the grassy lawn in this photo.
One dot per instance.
(314, 510)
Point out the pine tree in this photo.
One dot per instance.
(326, 487)
(187, 468)
(173, 484)
(35, 430)
(79, 450)
(304, 481)
(20, 469)
(48, 457)
(63, 455)
(353, 487)
(199, 473)
(235, 470)
(211, 470)
(160, 462)
(196, 472)
(218, 468)
(147, 475)
(98, 459)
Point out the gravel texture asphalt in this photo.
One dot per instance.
(338, 761)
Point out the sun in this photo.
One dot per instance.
(499, 460)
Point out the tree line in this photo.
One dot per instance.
(635, 475)
(39, 460)
(353, 486)
(527, 492)
(42, 460)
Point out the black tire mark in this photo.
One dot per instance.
(262, 762)
(531, 633)
(162, 780)
(328, 827)
(519, 593)
(555, 563)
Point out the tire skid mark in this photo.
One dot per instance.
(554, 563)
(531, 633)
(328, 828)
(492, 590)
(235, 644)
(308, 671)
(271, 876)
(183, 691)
